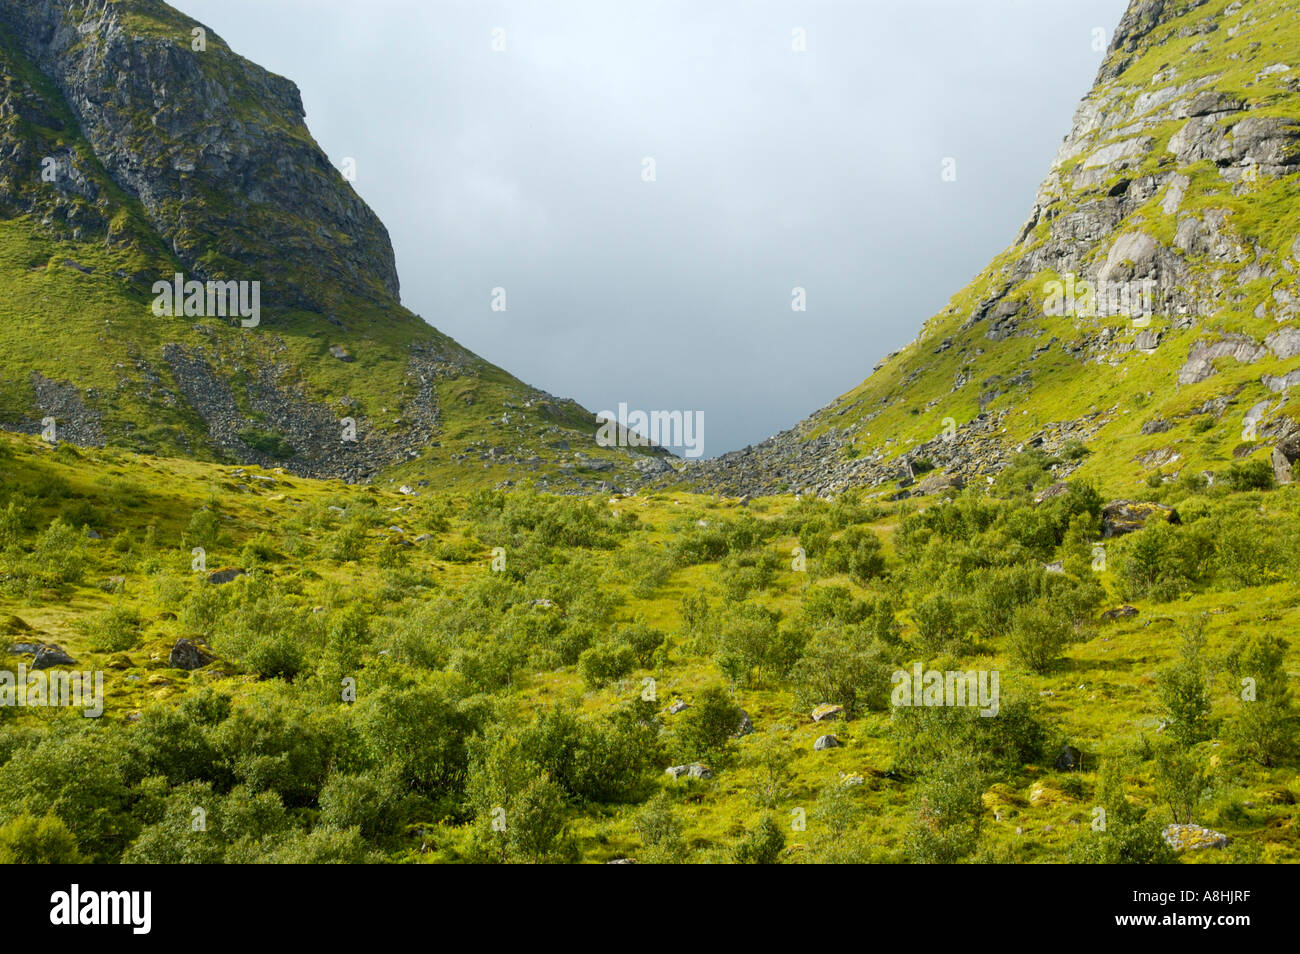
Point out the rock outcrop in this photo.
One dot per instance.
(1151, 244)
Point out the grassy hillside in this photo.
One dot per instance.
(1181, 170)
(198, 162)
(376, 689)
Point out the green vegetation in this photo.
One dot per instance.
(370, 697)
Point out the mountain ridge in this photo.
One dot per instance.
(136, 146)
(1175, 178)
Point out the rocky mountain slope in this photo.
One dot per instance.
(1174, 198)
(134, 146)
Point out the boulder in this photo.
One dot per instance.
(1046, 793)
(938, 483)
(1277, 796)
(187, 655)
(225, 575)
(48, 656)
(1119, 612)
(1201, 357)
(1284, 343)
(1126, 516)
(651, 465)
(745, 727)
(1051, 493)
(679, 705)
(1285, 455)
(826, 742)
(1070, 759)
(826, 711)
(1193, 838)
(694, 770)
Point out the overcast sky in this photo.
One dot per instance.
(524, 169)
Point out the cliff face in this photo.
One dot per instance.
(212, 146)
(126, 156)
(1147, 308)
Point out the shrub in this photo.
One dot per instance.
(657, 826)
(1039, 635)
(1122, 834)
(114, 630)
(940, 624)
(641, 638)
(704, 730)
(858, 553)
(845, 667)
(835, 603)
(601, 665)
(1163, 560)
(28, 840)
(762, 846)
(999, 593)
(751, 646)
(1250, 475)
(1183, 689)
(267, 442)
(275, 656)
(1180, 782)
(203, 530)
(948, 811)
(1264, 729)
(369, 802)
(59, 556)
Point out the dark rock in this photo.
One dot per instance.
(48, 656)
(187, 655)
(1057, 489)
(226, 575)
(694, 770)
(1285, 455)
(1070, 760)
(937, 483)
(1126, 516)
(1201, 358)
(1119, 612)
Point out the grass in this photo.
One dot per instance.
(1099, 698)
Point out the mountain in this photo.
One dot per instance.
(136, 147)
(1142, 324)
(280, 669)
